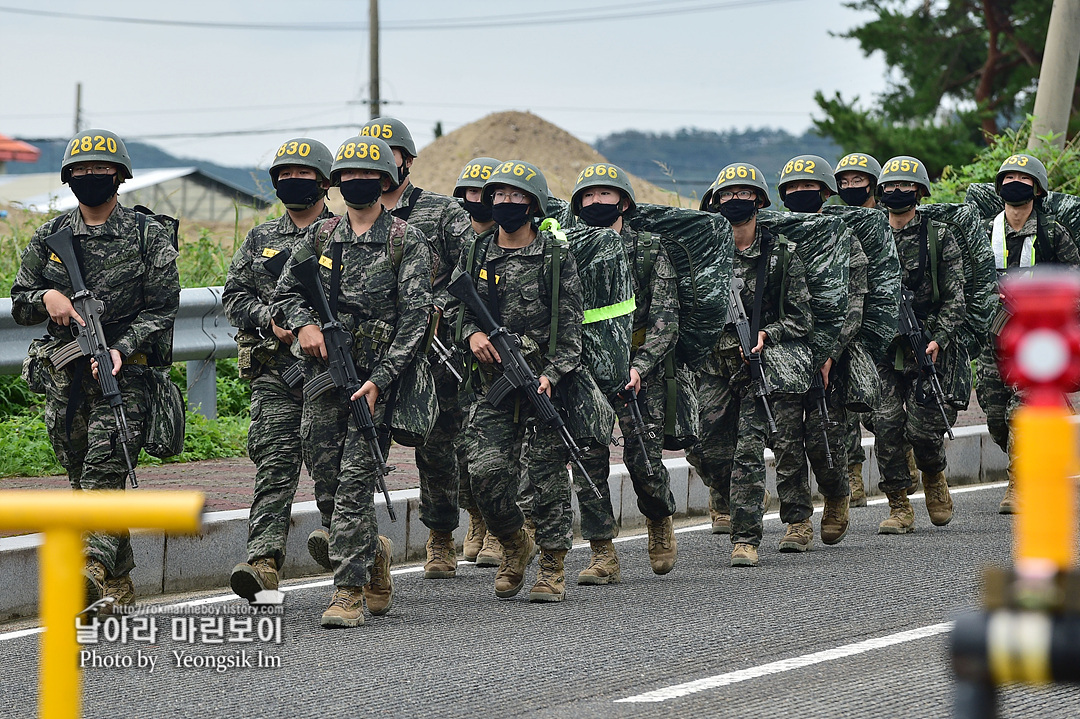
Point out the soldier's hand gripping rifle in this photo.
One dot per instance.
(90, 341)
(342, 372)
(737, 316)
(516, 371)
(817, 386)
(637, 426)
(292, 375)
(913, 331)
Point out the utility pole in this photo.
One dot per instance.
(373, 59)
(1057, 77)
(78, 108)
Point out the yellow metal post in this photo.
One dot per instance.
(60, 579)
(1045, 456)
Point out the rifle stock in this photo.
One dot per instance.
(916, 337)
(637, 426)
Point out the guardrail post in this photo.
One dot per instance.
(202, 387)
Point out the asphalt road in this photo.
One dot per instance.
(788, 638)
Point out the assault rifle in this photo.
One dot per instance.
(737, 317)
(516, 371)
(916, 337)
(637, 426)
(294, 373)
(817, 387)
(90, 341)
(342, 372)
(446, 355)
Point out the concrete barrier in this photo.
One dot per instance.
(175, 564)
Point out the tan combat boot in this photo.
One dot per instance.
(119, 591)
(858, 491)
(346, 608)
(474, 538)
(799, 537)
(518, 551)
(247, 580)
(550, 577)
(744, 555)
(721, 523)
(530, 528)
(603, 567)
(318, 546)
(901, 519)
(491, 554)
(834, 519)
(1008, 502)
(913, 470)
(939, 504)
(441, 556)
(379, 591)
(94, 577)
(662, 548)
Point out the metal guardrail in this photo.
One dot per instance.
(200, 336)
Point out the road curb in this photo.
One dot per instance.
(166, 564)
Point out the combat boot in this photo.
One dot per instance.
(346, 608)
(530, 528)
(119, 591)
(799, 537)
(662, 548)
(913, 470)
(518, 551)
(379, 591)
(550, 577)
(603, 567)
(474, 538)
(901, 519)
(318, 546)
(247, 580)
(744, 555)
(94, 577)
(939, 504)
(834, 519)
(858, 491)
(1008, 502)
(721, 523)
(491, 554)
(441, 556)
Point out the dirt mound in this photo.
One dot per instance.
(517, 136)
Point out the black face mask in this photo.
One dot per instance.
(402, 172)
(93, 190)
(598, 215)
(1017, 193)
(510, 216)
(855, 196)
(478, 211)
(738, 211)
(361, 194)
(803, 201)
(299, 193)
(900, 201)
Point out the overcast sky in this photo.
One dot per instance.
(591, 68)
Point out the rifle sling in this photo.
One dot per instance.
(403, 213)
(335, 276)
(759, 288)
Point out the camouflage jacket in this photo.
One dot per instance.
(943, 318)
(523, 284)
(249, 286)
(447, 226)
(1057, 247)
(656, 319)
(857, 290)
(134, 276)
(385, 307)
(785, 302)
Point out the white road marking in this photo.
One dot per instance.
(786, 665)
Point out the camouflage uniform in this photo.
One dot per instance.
(997, 399)
(853, 439)
(448, 227)
(730, 453)
(901, 421)
(656, 328)
(496, 434)
(386, 309)
(135, 276)
(274, 433)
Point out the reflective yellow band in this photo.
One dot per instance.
(610, 312)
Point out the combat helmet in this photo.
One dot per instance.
(858, 162)
(475, 173)
(807, 167)
(1029, 166)
(305, 152)
(364, 153)
(96, 146)
(904, 168)
(603, 174)
(393, 131)
(522, 175)
(735, 174)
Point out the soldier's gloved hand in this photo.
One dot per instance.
(545, 386)
(370, 392)
(60, 308)
(311, 341)
(635, 381)
(483, 350)
(117, 362)
(285, 336)
(932, 349)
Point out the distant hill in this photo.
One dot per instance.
(145, 156)
(687, 160)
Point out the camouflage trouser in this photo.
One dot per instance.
(324, 423)
(461, 447)
(495, 469)
(730, 453)
(91, 453)
(654, 498)
(275, 448)
(853, 437)
(437, 460)
(900, 422)
(997, 399)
